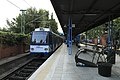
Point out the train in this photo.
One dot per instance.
(44, 41)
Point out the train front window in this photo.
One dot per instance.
(40, 37)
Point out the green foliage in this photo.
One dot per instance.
(95, 32)
(33, 19)
(100, 30)
(4, 29)
(53, 25)
(10, 39)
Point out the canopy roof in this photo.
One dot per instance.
(85, 14)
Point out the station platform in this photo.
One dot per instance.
(61, 66)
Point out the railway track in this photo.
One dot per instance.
(25, 71)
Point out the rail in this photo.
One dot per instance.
(25, 71)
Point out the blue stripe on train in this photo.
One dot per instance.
(39, 52)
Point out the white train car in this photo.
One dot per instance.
(44, 41)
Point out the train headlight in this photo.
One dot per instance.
(46, 49)
(32, 49)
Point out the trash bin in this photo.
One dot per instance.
(104, 69)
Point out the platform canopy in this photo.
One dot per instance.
(85, 14)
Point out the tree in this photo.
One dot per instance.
(53, 24)
(33, 19)
(100, 30)
(4, 29)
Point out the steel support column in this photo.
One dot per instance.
(70, 36)
(109, 35)
(111, 52)
(86, 39)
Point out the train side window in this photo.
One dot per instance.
(50, 38)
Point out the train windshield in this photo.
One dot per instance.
(40, 37)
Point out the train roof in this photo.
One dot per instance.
(42, 29)
(46, 29)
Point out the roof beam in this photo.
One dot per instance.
(118, 4)
(93, 3)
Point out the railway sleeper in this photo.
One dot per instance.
(22, 74)
(30, 67)
(16, 78)
(37, 65)
(37, 62)
(27, 70)
(34, 64)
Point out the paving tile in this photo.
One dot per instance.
(55, 78)
(58, 72)
(71, 78)
(70, 75)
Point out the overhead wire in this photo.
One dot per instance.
(13, 4)
(27, 3)
(17, 6)
(36, 19)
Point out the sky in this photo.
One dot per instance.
(9, 11)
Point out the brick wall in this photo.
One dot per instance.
(7, 51)
(95, 41)
(103, 39)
